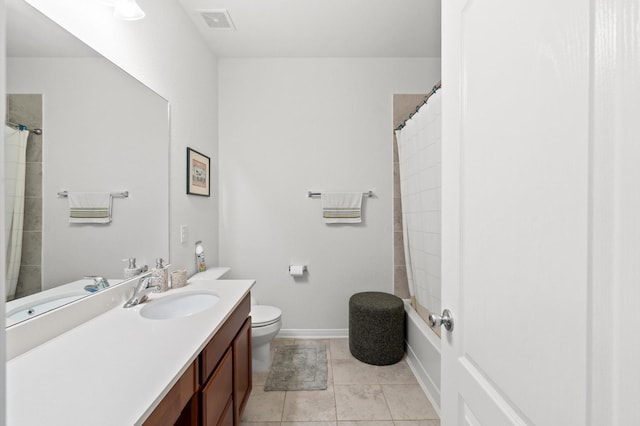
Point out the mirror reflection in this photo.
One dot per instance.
(103, 134)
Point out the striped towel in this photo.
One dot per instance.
(342, 207)
(89, 207)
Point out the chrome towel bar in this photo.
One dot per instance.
(317, 194)
(123, 194)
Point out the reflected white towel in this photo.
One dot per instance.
(89, 207)
(342, 207)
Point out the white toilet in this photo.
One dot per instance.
(266, 322)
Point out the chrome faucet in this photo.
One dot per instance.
(99, 283)
(141, 292)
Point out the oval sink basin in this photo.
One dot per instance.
(179, 305)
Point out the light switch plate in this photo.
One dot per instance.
(184, 233)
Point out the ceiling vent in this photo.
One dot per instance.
(217, 19)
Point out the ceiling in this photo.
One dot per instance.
(322, 28)
(269, 28)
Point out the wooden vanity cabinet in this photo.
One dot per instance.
(178, 403)
(218, 383)
(242, 377)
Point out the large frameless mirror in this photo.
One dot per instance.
(101, 131)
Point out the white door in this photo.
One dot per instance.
(515, 216)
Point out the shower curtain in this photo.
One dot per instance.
(419, 148)
(15, 151)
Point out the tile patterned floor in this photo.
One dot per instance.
(357, 394)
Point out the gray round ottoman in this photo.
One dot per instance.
(376, 327)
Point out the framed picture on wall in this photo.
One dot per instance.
(198, 173)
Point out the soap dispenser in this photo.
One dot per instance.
(132, 270)
(161, 271)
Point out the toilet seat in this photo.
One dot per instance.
(263, 315)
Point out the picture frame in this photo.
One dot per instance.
(198, 173)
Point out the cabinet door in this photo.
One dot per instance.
(227, 417)
(242, 380)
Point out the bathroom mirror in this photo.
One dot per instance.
(102, 131)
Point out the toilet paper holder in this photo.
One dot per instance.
(304, 268)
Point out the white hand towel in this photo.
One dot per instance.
(89, 207)
(342, 207)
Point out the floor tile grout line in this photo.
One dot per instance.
(333, 349)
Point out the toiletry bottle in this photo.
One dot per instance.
(161, 271)
(200, 264)
(132, 270)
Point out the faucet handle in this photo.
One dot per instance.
(143, 288)
(144, 282)
(148, 283)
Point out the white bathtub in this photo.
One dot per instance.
(423, 354)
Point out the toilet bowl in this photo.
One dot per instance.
(266, 322)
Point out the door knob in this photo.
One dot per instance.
(445, 319)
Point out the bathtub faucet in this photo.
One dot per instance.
(99, 283)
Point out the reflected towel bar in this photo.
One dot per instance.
(123, 194)
(317, 194)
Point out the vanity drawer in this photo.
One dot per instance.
(215, 349)
(217, 393)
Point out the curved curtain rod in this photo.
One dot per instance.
(433, 91)
(23, 127)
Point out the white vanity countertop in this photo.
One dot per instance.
(115, 368)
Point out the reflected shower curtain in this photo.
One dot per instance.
(15, 151)
(419, 151)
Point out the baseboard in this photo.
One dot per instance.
(296, 333)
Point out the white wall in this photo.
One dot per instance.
(288, 126)
(103, 131)
(165, 52)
